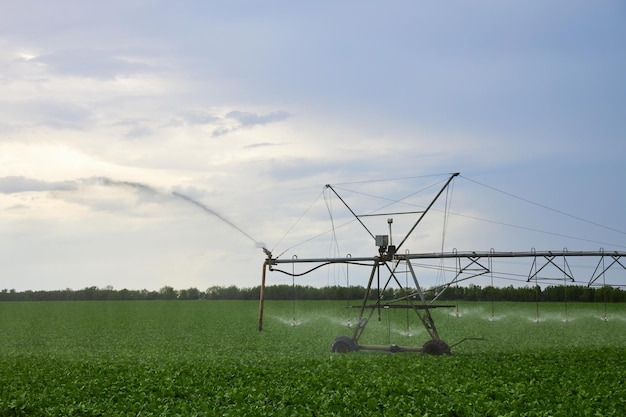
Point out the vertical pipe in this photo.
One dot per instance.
(408, 302)
(361, 322)
(605, 318)
(536, 274)
(493, 293)
(293, 290)
(388, 325)
(456, 291)
(348, 291)
(425, 317)
(262, 297)
(378, 291)
(565, 284)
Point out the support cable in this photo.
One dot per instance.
(427, 209)
(391, 200)
(333, 248)
(312, 238)
(391, 179)
(446, 216)
(296, 222)
(546, 207)
(530, 229)
(351, 211)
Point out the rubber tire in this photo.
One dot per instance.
(436, 347)
(344, 344)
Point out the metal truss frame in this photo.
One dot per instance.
(468, 265)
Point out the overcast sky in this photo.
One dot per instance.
(151, 143)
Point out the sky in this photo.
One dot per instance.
(152, 143)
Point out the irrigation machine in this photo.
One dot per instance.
(389, 260)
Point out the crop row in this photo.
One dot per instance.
(206, 358)
(540, 383)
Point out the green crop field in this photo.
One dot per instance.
(146, 358)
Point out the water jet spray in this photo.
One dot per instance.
(219, 216)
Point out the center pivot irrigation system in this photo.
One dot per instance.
(389, 261)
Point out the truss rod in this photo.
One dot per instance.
(488, 254)
(351, 211)
(397, 213)
(455, 255)
(427, 209)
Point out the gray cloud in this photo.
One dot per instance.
(201, 118)
(84, 192)
(222, 131)
(261, 145)
(19, 184)
(86, 62)
(137, 132)
(135, 128)
(51, 113)
(248, 120)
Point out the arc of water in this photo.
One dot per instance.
(218, 215)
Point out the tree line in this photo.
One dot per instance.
(300, 292)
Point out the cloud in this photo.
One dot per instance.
(260, 145)
(247, 119)
(97, 193)
(92, 63)
(202, 118)
(60, 114)
(19, 184)
(137, 132)
(384, 91)
(237, 120)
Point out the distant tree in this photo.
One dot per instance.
(288, 292)
(189, 294)
(168, 293)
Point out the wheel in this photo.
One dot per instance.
(344, 344)
(436, 347)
